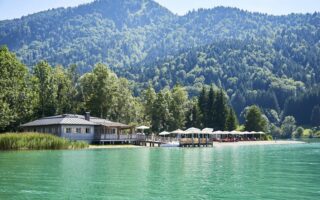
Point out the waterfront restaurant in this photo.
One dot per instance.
(82, 127)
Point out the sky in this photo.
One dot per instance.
(10, 9)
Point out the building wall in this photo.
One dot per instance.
(52, 129)
(61, 131)
(74, 135)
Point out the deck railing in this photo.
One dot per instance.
(121, 137)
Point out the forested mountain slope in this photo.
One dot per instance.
(257, 58)
(126, 32)
(251, 72)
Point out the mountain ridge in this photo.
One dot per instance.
(257, 58)
(89, 33)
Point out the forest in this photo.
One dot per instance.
(46, 91)
(126, 59)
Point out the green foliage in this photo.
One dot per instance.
(231, 122)
(268, 137)
(214, 110)
(258, 59)
(255, 120)
(107, 96)
(194, 116)
(37, 141)
(298, 133)
(303, 105)
(315, 116)
(275, 131)
(178, 107)
(16, 97)
(288, 126)
(44, 85)
(161, 115)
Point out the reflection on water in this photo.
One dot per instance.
(239, 172)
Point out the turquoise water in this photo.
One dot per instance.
(242, 172)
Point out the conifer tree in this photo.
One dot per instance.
(231, 122)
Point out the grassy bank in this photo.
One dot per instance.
(37, 141)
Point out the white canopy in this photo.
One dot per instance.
(207, 131)
(218, 132)
(164, 133)
(178, 131)
(235, 132)
(192, 130)
(253, 132)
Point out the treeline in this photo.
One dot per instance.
(257, 59)
(305, 107)
(45, 90)
(212, 109)
(251, 72)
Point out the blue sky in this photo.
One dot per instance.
(10, 9)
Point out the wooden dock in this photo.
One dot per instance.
(195, 142)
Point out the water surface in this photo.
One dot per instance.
(240, 172)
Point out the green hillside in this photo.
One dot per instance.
(271, 61)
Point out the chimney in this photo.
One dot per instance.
(87, 116)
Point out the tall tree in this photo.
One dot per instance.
(203, 105)
(45, 86)
(98, 90)
(17, 100)
(161, 114)
(315, 116)
(148, 98)
(231, 122)
(178, 107)
(254, 120)
(288, 126)
(64, 91)
(221, 111)
(211, 109)
(74, 75)
(193, 115)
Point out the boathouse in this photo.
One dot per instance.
(82, 127)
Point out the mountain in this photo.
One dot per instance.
(127, 32)
(116, 32)
(257, 58)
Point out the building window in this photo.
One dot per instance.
(114, 131)
(78, 130)
(68, 130)
(88, 130)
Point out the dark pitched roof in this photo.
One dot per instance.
(71, 119)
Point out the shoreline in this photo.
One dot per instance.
(112, 146)
(252, 143)
(215, 144)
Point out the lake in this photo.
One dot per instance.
(227, 172)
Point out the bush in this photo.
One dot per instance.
(266, 137)
(298, 132)
(37, 141)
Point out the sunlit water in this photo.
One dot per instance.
(241, 172)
